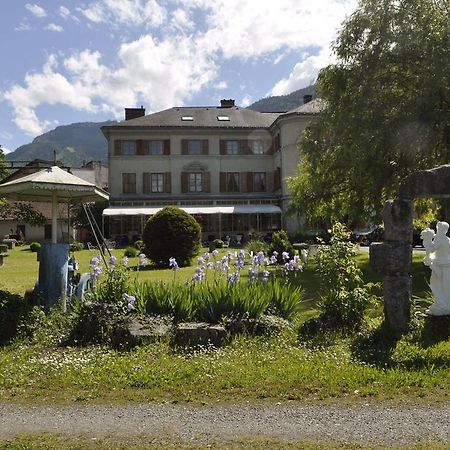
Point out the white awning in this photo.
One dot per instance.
(238, 209)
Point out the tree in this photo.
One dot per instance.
(172, 232)
(387, 110)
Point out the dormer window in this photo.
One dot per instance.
(187, 118)
(223, 118)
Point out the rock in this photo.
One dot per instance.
(200, 333)
(144, 329)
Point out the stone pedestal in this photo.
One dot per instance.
(392, 259)
(53, 262)
(397, 291)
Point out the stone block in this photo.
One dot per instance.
(391, 258)
(426, 183)
(200, 333)
(397, 292)
(397, 219)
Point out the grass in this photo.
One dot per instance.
(48, 441)
(371, 365)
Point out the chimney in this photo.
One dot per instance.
(226, 103)
(134, 113)
(307, 98)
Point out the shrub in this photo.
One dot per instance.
(35, 246)
(139, 245)
(131, 252)
(76, 246)
(13, 308)
(280, 243)
(172, 232)
(256, 246)
(218, 243)
(344, 297)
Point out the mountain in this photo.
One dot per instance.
(282, 102)
(73, 143)
(84, 141)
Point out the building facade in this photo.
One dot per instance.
(226, 165)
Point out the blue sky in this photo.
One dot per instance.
(66, 61)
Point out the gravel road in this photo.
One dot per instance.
(356, 424)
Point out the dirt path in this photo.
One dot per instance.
(358, 424)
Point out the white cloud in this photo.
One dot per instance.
(221, 85)
(5, 135)
(181, 20)
(159, 73)
(5, 150)
(246, 101)
(169, 70)
(64, 12)
(23, 26)
(36, 10)
(54, 27)
(304, 73)
(133, 12)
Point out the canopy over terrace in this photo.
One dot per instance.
(53, 185)
(217, 218)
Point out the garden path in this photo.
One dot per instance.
(364, 424)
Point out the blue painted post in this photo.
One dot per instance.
(53, 262)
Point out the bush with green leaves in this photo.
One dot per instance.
(35, 246)
(344, 296)
(218, 243)
(76, 246)
(13, 308)
(172, 233)
(256, 246)
(131, 252)
(139, 244)
(280, 244)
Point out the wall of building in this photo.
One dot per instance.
(176, 163)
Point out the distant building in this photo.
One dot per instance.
(225, 165)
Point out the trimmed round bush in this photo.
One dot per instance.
(172, 233)
(131, 252)
(35, 246)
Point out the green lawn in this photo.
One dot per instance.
(372, 364)
(20, 271)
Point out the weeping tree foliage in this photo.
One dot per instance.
(387, 110)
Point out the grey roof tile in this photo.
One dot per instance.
(203, 117)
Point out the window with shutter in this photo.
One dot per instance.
(232, 182)
(117, 147)
(128, 147)
(257, 147)
(259, 181)
(232, 147)
(167, 182)
(195, 182)
(157, 182)
(129, 183)
(146, 182)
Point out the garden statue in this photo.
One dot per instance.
(437, 247)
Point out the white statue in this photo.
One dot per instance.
(437, 247)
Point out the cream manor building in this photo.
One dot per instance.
(226, 165)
